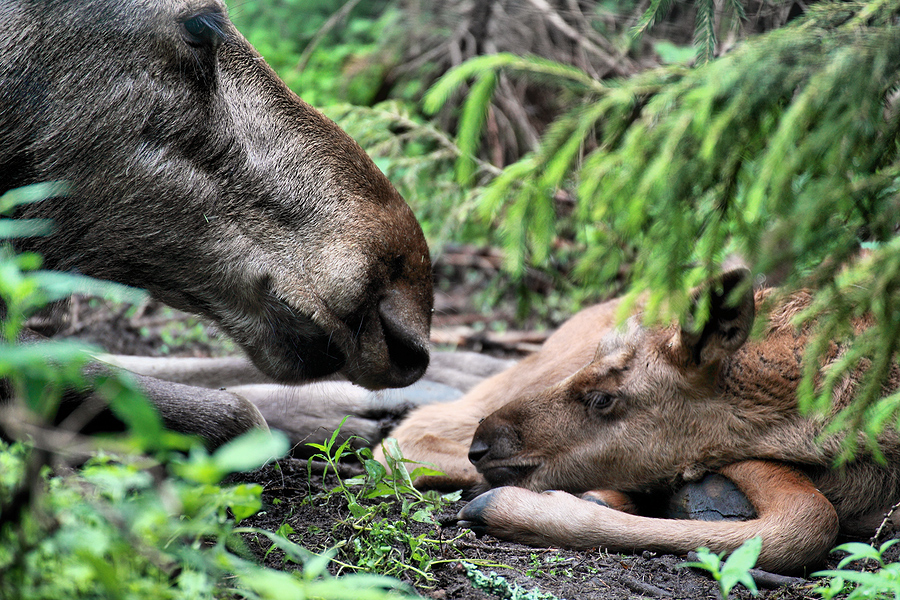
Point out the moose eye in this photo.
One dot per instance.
(205, 29)
(597, 400)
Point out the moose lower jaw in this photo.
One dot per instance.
(373, 350)
(290, 348)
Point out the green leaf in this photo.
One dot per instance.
(375, 470)
(31, 193)
(251, 450)
(707, 560)
(294, 552)
(61, 285)
(705, 31)
(537, 67)
(736, 568)
(24, 228)
(423, 516)
(245, 500)
(858, 551)
(657, 11)
(391, 448)
(475, 110)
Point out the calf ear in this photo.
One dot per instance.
(731, 313)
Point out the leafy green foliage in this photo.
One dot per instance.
(484, 68)
(339, 65)
(883, 583)
(732, 571)
(705, 31)
(380, 544)
(115, 529)
(499, 587)
(785, 151)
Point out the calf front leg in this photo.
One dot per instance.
(798, 525)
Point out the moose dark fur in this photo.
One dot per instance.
(193, 172)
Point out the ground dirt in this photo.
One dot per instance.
(319, 521)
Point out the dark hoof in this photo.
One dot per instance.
(713, 498)
(472, 515)
(589, 497)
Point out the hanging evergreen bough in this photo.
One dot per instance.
(785, 150)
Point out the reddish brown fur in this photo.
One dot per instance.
(668, 406)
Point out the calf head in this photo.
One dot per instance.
(654, 406)
(193, 172)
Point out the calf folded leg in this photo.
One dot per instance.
(798, 525)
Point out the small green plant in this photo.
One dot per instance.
(534, 569)
(732, 571)
(882, 583)
(379, 544)
(498, 586)
(554, 564)
(180, 333)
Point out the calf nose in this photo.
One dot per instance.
(477, 451)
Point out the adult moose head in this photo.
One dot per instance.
(653, 409)
(193, 172)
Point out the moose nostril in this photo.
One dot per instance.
(407, 351)
(477, 451)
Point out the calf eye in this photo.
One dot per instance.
(597, 400)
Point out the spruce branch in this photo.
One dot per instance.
(786, 149)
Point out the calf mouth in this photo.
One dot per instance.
(501, 475)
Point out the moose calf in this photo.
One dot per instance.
(192, 171)
(602, 412)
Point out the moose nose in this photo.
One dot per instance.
(406, 339)
(477, 451)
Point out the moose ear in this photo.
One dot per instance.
(731, 313)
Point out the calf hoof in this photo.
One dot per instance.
(474, 515)
(713, 498)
